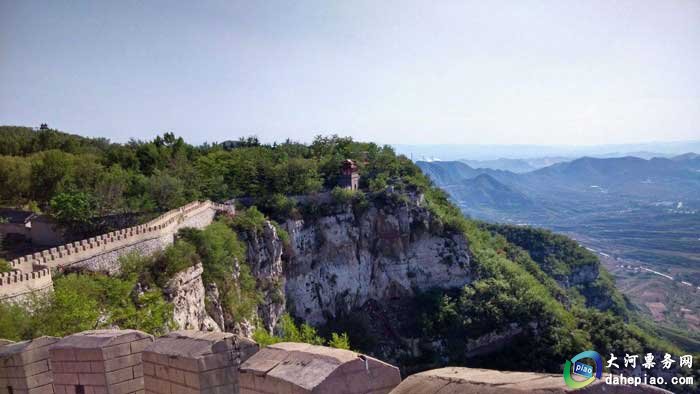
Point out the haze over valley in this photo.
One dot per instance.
(640, 215)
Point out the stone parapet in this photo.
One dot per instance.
(302, 368)
(195, 362)
(25, 367)
(31, 272)
(453, 380)
(99, 362)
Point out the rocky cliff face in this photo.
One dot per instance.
(349, 259)
(264, 256)
(186, 292)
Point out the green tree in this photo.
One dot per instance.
(72, 207)
(15, 179)
(166, 191)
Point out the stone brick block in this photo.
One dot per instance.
(187, 364)
(155, 385)
(92, 379)
(225, 389)
(115, 351)
(119, 375)
(34, 355)
(66, 378)
(40, 379)
(122, 362)
(127, 387)
(149, 369)
(97, 367)
(88, 354)
(161, 372)
(45, 389)
(62, 354)
(37, 367)
(138, 370)
(215, 361)
(179, 389)
(218, 377)
(176, 376)
(191, 379)
(75, 367)
(140, 345)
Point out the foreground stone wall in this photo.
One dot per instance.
(25, 367)
(302, 368)
(191, 362)
(32, 272)
(99, 362)
(485, 381)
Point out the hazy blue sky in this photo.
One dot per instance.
(565, 72)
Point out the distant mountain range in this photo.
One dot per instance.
(628, 177)
(590, 196)
(475, 152)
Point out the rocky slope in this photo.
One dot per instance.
(185, 291)
(347, 259)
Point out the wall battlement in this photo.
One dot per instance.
(32, 272)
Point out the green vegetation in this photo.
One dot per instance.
(87, 302)
(85, 176)
(72, 207)
(5, 266)
(288, 331)
(564, 260)
(223, 258)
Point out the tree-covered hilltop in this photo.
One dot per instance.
(526, 283)
(76, 177)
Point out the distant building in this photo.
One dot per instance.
(349, 176)
(16, 221)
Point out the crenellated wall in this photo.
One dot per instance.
(32, 272)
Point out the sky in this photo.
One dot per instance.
(398, 72)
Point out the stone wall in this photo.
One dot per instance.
(15, 284)
(191, 362)
(25, 367)
(99, 362)
(31, 273)
(302, 368)
(485, 381)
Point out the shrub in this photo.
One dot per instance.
(250, 219)
(339, 341)
(85, 302)
(342, 196)
(5, 266)
(288, 331)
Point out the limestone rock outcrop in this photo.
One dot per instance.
(264, 256)
(388, 251)
(186, 292)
